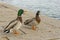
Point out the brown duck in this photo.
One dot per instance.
(33, 21)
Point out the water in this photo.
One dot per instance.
(49, 8)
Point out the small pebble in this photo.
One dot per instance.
(49, 31)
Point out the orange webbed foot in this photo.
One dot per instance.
(33, 28)
(15, 32)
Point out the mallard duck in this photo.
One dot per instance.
(15, 24)
(33, 21)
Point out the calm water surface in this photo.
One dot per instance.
(49, 8)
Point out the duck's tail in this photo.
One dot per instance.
(7, 31)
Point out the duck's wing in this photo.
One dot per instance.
(10, 23)
(28, 21)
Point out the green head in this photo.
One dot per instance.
(20, 12)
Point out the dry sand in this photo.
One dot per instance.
(48, 29)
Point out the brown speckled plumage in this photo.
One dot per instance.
(33, 21)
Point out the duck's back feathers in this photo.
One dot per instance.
(13, 21)
(30, 22)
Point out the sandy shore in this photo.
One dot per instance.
(48, 29)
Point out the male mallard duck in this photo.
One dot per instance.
(34, 21)
(15, 24)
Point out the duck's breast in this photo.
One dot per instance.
(18, 25)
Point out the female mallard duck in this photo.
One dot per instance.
(34, 21)
(15, 24)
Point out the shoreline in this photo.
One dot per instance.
(54, 16)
